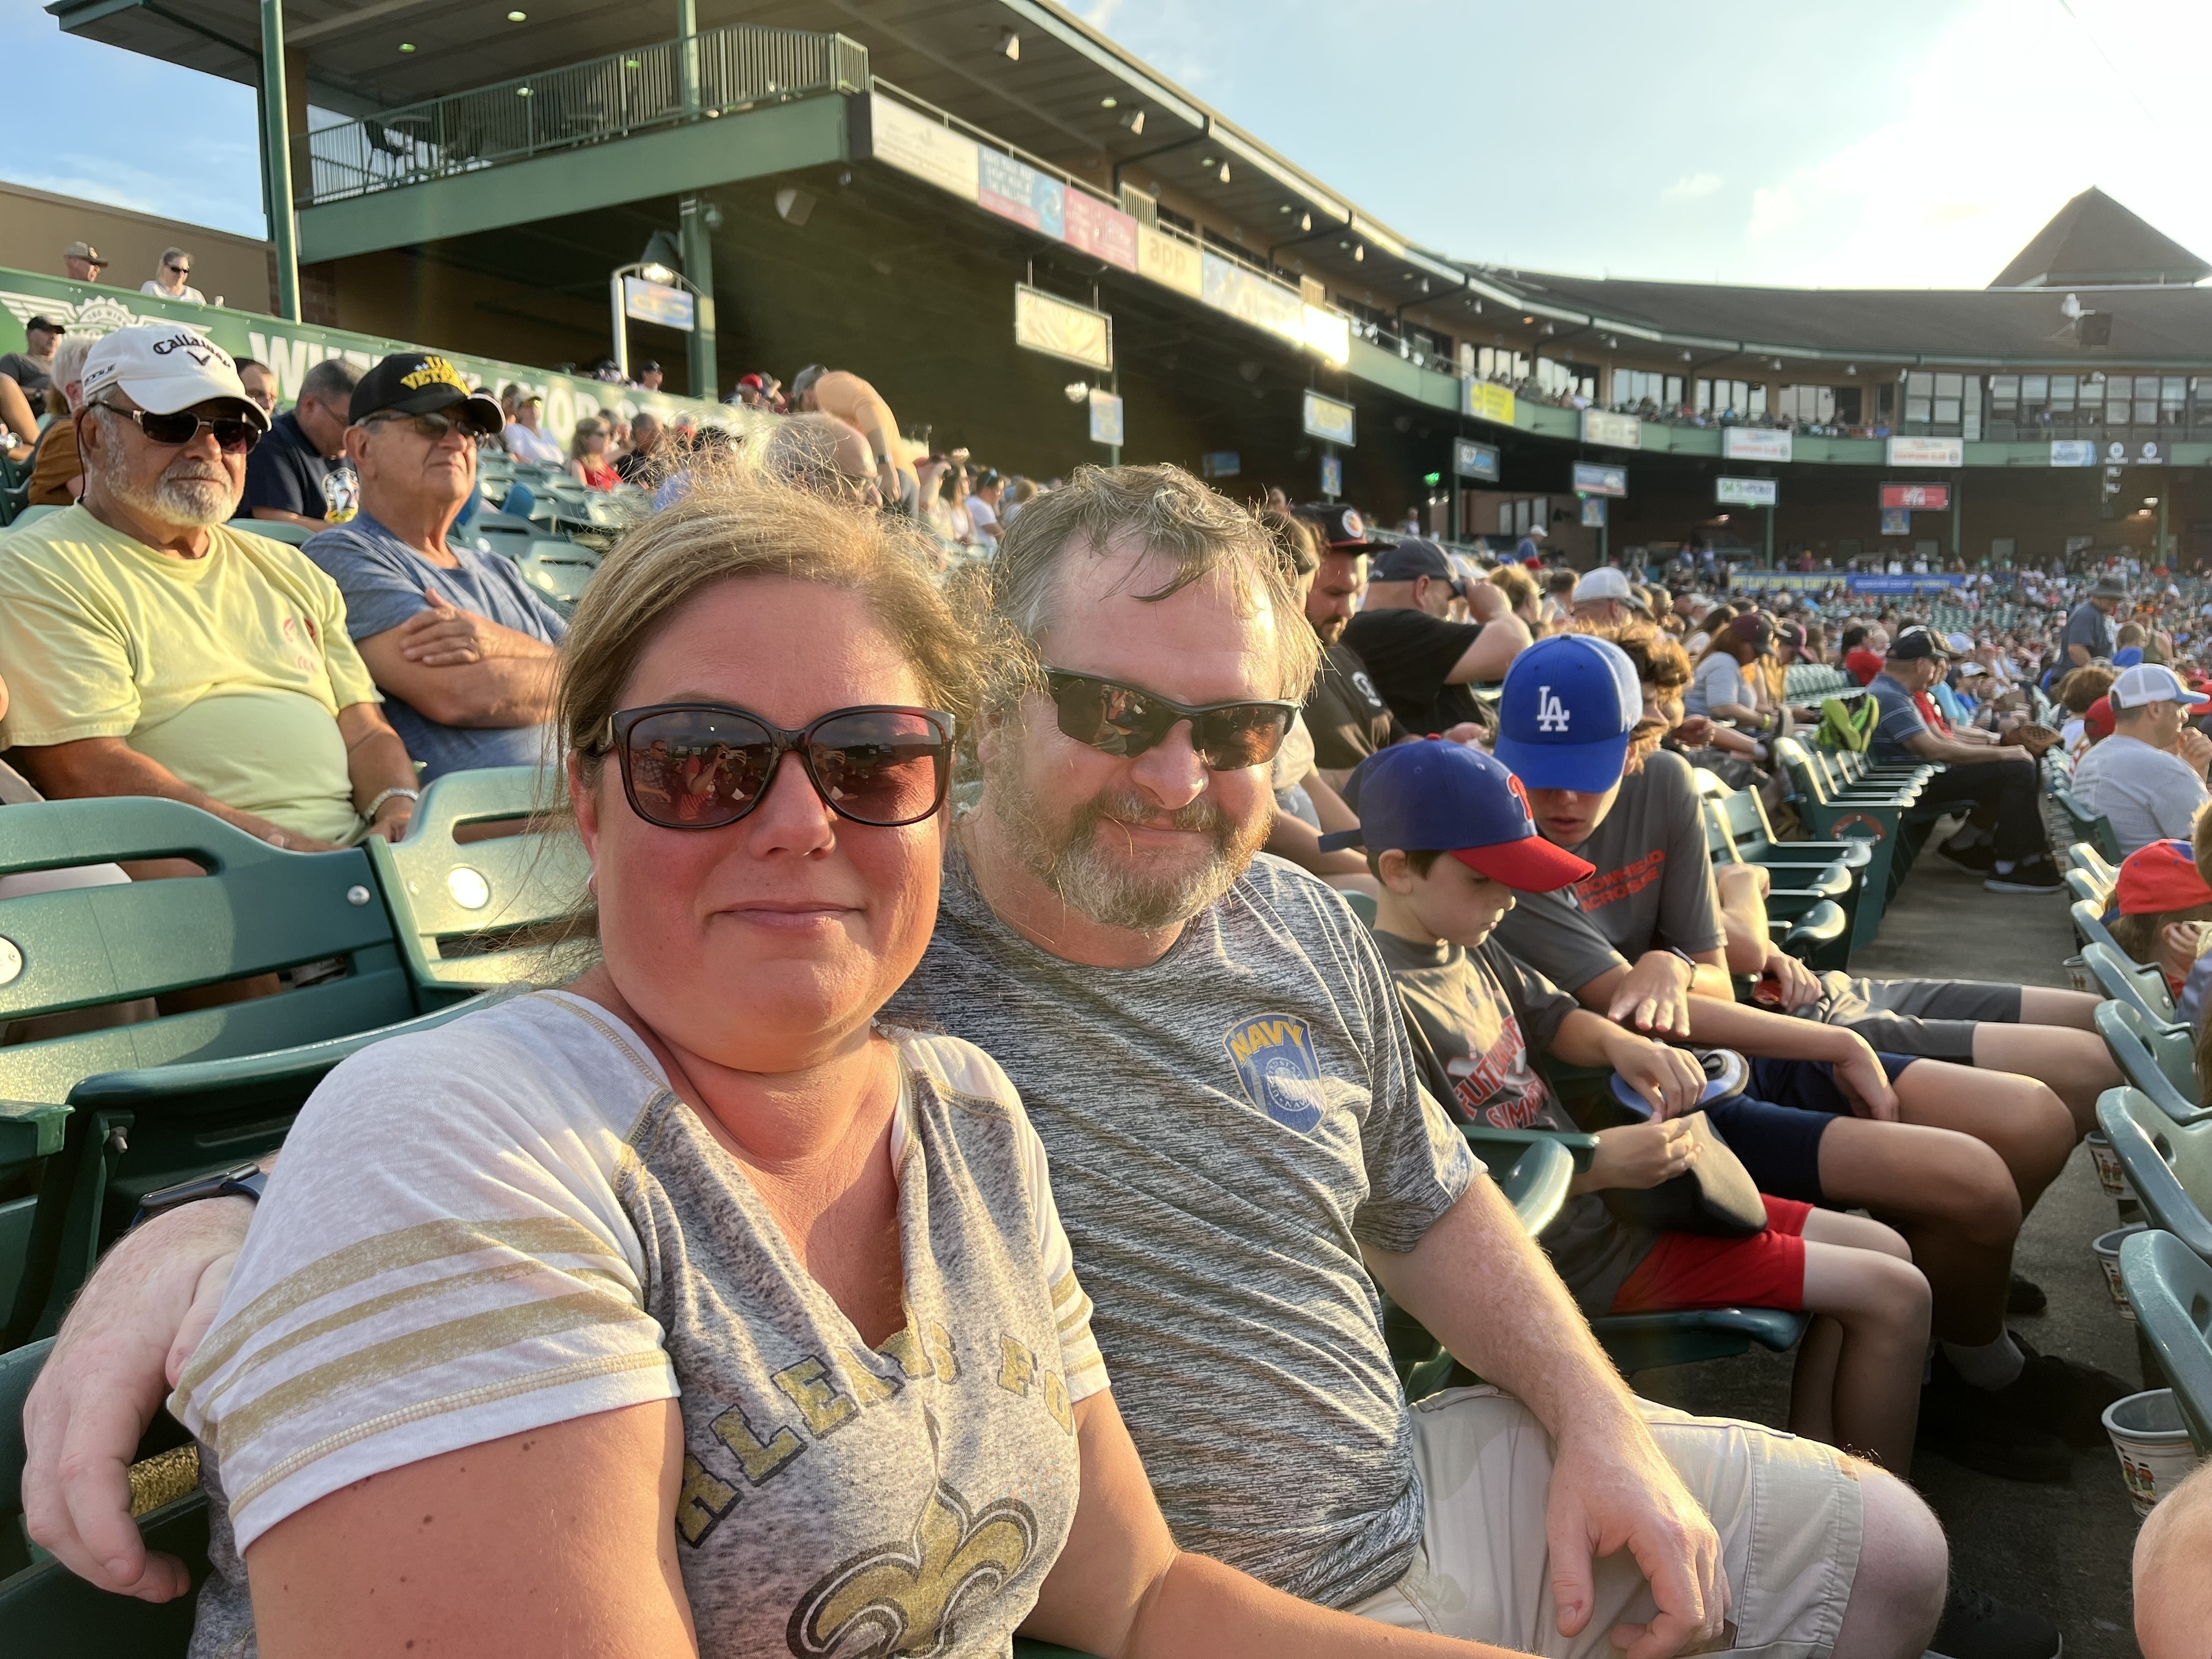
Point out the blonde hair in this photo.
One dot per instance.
(591, 425)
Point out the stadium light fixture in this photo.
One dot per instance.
(406, 46)
(1010, 46)
(1223, 174)
(1305, 221)
(1134, 120)
(1359, 254)
(1076, 391)
(1108, 103)
(517, 17)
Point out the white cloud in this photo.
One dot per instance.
(1690, 186)
(1771, 210)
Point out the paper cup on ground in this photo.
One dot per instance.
(2155, 1455)
(2110, 1175)
(2107, 1247)
(2078, 974)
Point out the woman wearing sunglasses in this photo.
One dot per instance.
(688, 1309)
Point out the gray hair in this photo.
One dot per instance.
(68, 361)
(1169, 514)
(331, 381)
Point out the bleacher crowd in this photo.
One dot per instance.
(973, 1058)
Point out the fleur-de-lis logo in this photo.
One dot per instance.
(907, 1598)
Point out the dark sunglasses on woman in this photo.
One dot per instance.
(704, 765)
(1127, 719)
(233, 435)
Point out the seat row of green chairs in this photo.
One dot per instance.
(1841, 795)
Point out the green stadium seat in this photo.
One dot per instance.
(2087, 888)
(179, 1095)
(2169, 1289)
(464, 911)
(2089, 927)
(1738, 831)
(2160, 1060)
(275, 530)
(2092, 827)
(2084, 857)
(559, 569)
(2169, 1164)
(2132, 982)
(30, 516)
(48, 1610)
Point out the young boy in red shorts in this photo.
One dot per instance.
(1448, 835)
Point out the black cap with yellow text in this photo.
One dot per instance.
(423, 383)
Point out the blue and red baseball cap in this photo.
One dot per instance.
(1437, 796)
(2157, 876)
(1568, 704)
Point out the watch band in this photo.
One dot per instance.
(246, 1180)
(1688, 960)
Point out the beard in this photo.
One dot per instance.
(185, 496)
(1072, 854)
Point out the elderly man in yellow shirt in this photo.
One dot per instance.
(153, 650)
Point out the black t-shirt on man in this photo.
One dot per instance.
(32, 373)
(1345, 713)
(285, 471)
(1407, 654)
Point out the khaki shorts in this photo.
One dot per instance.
(1788, 1512)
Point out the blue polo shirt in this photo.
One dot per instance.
(383, 580)
(1901, 719)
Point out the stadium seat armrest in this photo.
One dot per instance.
(1581, 1147)
(30, 1128)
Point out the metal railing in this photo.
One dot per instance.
(718, 72)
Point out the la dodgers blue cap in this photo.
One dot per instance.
(1439, 796)
(1568, 704)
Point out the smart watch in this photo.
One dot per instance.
(246, 1181)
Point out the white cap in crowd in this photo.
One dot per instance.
(1607, 581)
(2147, 683)
(164, 368)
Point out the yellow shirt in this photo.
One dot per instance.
(229, 670)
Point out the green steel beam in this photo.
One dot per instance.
(675, 162)
(699, 271)
(276, 158)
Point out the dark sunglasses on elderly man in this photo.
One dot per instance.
(233, 436)
(1126, 720)
(434, 425)
(704, 765)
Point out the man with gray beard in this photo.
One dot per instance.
(1214, 1057)
(151, 649)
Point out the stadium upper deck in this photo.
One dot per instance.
(489, 174)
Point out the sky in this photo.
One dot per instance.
(1880, 143)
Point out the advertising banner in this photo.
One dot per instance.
(1220, 463)
(2145, 453)
(1933, 582)
(1783, 581)
(1747, 492)
(1332, 476)
(1755, 443)
(1473, 460)
(291, 349)
(1621, 431)
(1896, 522)
(1169, 261)
(912, 143)
(1487, 402)
(1594, 512)
(1246, 294)
(1061, 328)
(1105, 418)
(1928, 452)
(657, 302)
(1102, 231)
(1916, 498)
(2073, 452)
(1014, 190)
(1325, 417)
(1591, 479)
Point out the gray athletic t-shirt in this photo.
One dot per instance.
(1653, 889)
(511, 1222)
(1227, 1127)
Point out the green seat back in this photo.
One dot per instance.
(2089, 927)
(258, 912)
(2084, 856)
(2142, 987)
(2159, 1059)
(1360, 905)
(275, 530)
(2169, 1289)
(560, 570)
(2092, 827)
(2168, 1164)
(2085, 886)
(30, 516)
(458, 904)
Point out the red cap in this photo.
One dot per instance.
(2098, 720)
(1530, 865)
(2160, 877)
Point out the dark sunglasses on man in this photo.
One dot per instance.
(433, 425)
(233, 435)
(704, 765)
(1121, 720)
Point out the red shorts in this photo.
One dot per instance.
(1690, 1270)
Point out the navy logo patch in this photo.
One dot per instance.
(1276, 1063)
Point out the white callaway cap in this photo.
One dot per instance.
(2148, 682)
(1607, 581)
(164, 368)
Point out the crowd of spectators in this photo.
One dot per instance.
(1537, 861)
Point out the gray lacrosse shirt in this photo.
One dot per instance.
(1227, 1127)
